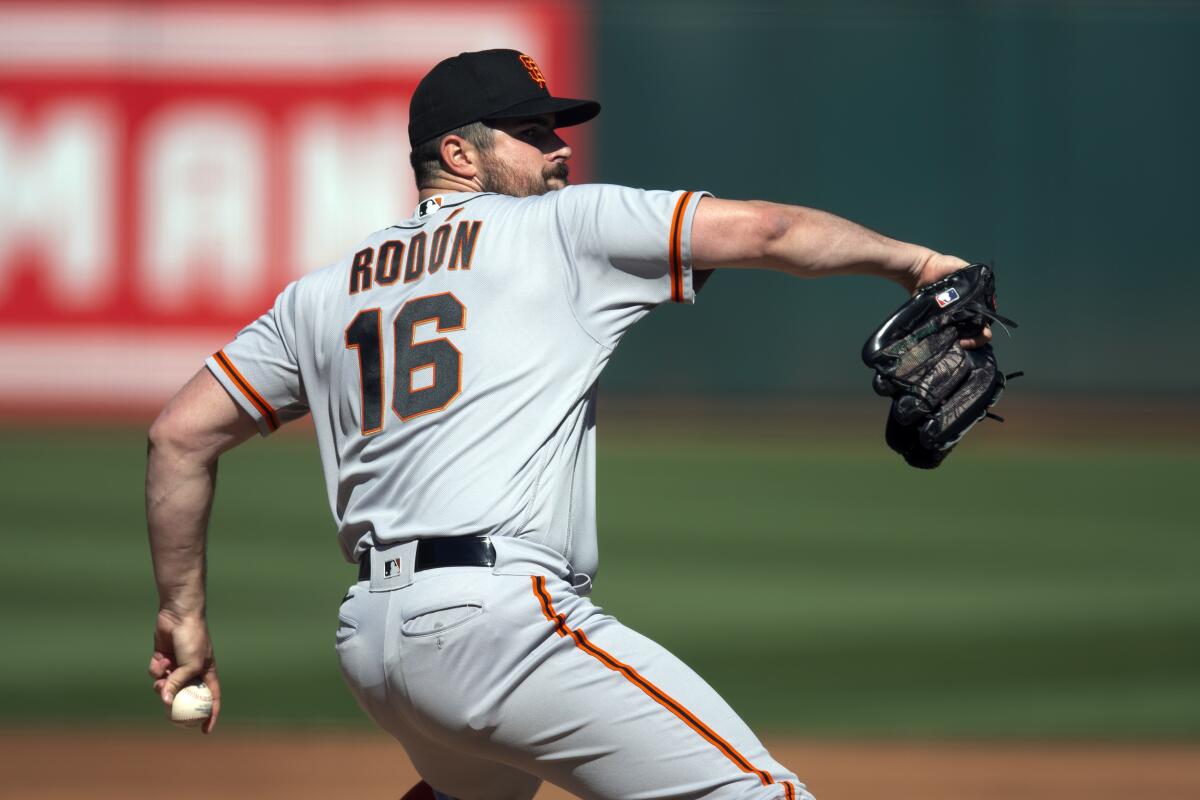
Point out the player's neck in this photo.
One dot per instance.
(444, 184)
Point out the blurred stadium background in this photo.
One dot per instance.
(166, 168)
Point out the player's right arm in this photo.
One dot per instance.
(808, 243)
(199, 424)
(802, 241)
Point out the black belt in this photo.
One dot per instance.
(446, 551)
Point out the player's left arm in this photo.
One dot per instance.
(809, 243)
(198, 424)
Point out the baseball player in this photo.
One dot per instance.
(450, 366)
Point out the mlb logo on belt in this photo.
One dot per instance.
(946, 298)
(391, 568)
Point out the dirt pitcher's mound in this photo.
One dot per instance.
(182, 765)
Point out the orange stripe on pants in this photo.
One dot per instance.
(656, 694)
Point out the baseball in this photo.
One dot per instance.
(192, 705)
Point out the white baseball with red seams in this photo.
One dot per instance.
(192, 705)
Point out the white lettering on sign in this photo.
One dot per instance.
(352, 177)
(203, 200)
(166, 168)
(56, 193)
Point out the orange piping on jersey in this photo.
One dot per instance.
(674, 251)
(789, 791)
(246, 389)
(652, 691)
(453, 214)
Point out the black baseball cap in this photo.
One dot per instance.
(487, 86)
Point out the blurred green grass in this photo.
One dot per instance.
(822, 587)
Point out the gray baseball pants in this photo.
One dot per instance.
(495, 679)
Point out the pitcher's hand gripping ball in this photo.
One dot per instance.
(938, 389)
(192, 705)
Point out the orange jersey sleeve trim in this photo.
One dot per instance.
(634, 677)
(247, 390)
(674, 247)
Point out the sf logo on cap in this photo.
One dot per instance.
(535, 72)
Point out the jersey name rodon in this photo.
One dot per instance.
(447, 405)
(450, 246)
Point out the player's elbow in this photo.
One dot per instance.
(774, 224)
(170, 435)
(766, 234)
(739, 233)
(177, 435)
(200, 422)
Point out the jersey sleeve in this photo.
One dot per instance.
(628, 251)
(259, 368)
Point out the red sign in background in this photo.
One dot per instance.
(166, 169)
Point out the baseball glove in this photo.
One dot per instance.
(938, 389)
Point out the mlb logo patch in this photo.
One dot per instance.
(946, 298)
(429, 206)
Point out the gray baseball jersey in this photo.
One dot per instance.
(450, 363)
(450, 367)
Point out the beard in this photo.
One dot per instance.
(501, 178)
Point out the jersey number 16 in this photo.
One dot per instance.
(365, 334)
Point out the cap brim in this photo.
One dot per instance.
(566, 111)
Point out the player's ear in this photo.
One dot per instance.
(459, 157)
